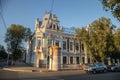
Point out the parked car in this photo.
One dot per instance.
(109, 67)
(115, 68)
(94, 68)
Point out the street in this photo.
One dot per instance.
(59, 75)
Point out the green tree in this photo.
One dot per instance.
(117, 38)
(116, 35)
(113, 6)
(3, 53)
(98, 38)
(15, 36)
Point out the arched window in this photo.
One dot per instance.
(54, 26)
(57, 27)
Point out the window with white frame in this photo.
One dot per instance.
(64, 60)
(77, 46)
(57, 43)
(38, 42)
(71, 46)
(64, 45)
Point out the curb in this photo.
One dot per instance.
(8, 69)
(35, 70)
(18, 70)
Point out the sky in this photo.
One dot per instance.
(70, 13)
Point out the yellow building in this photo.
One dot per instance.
(48, 32)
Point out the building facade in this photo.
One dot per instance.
(48, 32)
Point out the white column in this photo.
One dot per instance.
(50, 62)
(86, 58)
(60, 44)
(43, 42)
(61, 60)
(67, 59)
(37, 60)
(36, 42)
(52, 42)
(74, 59)
(85, 54)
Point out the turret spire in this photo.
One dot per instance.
(37, 23)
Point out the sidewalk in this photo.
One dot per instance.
(23, 67)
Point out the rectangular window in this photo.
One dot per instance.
(38, 42)
(71, 46)
(77, 46)
(49, 41)
(64, 45)
(83, 47)
(71, 60)
(77, 59)
(68, 45)
(64, 60)
(57, 43)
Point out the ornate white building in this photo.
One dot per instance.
(48, 32)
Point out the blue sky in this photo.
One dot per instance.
(77, 13)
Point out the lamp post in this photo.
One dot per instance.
(47, 57)
(47, 52)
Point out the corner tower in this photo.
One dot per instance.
(50, 22)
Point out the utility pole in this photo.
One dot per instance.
(52, 6)
(47, 52)
(8, 59)
(47, 57)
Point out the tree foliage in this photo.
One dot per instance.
(116, 37)
(113, 6)
(15, 36)
(3, 53)
(98, 38)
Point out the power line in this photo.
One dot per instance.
(3, 20)
(1, 5)
(2, 15)
(52, 6)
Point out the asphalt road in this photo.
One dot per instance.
(60, 75)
